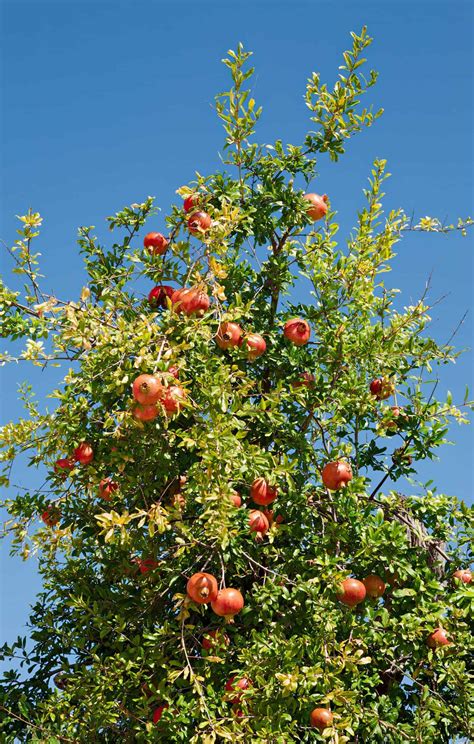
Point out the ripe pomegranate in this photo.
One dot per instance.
(215, 639)
(254, 344)
(156, 243)
(173, 371)
(147, 389)
(258, 522)
(464, 575)
(199, 222)
(173, 398)
(297, 331)
(236, 498)
(271, 517)
(190, 301)
(228, 335)
(438, 638)
(84, 453)
(262, 493)
(145, 413)
(382, 388)
(190, 202)
(352, 592)
(158, 296)
(51, 515)
(63, 465)
(107, 487)
(202, 588)
(306, 379)
(146, 565)
(237, 686)
(228, 603)
(374, 585)
(158, 712)
(321, 718)
(317, 207)
(336, 474)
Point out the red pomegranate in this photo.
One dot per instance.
(199, 222)
(190, 202)
(352, 592)
(146, 565)
(202, 588)
(84, 453)
(254, 344)
(63, 465)
(145, 413)
(306, 379)
(297, 331)
(228, 603)
(262, 492)
(159, 295)
(237, 687)
(336, 474)
(158, 712)
(382, 388)
(173, 399)
(317, 207)
(258, 522)
(464, 575)
(229, 335)
(107, 487)
(215, 639)
(374, 586)
(321, 718)
(173, 371)
(438, 638)
(271, 517)
(156, 243)
(236, 499)
(147, 389)
(51, 515)
(190, 301)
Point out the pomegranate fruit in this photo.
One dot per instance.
(254, 344)
(63, 465)
(51, 515)
(235, 498)
(190, 202)
(215, 639)
(438, 638)
(155, 243)
(464, 575)
(202, 588)
(352, 592)
(158, 712)
(159, 295)
(228, 603)
(147, 389)
(374, 586)
(321, 718)
(336, 474)
(173, 398)
(146, 565)
(84, 453)
(145, 413)
(190, 301)
(199, 222)
(382, 388)
(262, 492)
(237, 686)
(107, 487)
(306, 379)
(317, 206)
(258, 522)
(229, 335)
(297, 331)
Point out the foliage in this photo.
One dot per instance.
(125, 642)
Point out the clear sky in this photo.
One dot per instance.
(104, 103)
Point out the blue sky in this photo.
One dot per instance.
(105, 103)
